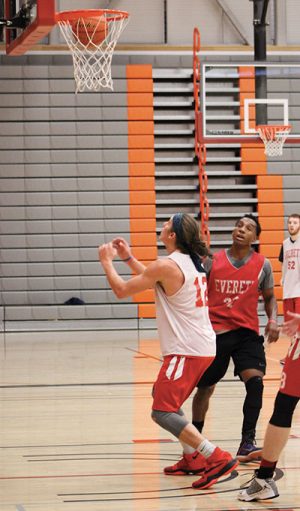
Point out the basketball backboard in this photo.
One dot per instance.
(236, 97)
(34, 20)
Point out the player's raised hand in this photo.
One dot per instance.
(106, 252)
(122, 247)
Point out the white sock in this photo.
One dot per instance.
(206, 448)
(187, 449)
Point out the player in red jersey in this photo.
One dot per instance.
(185, 332)
(236, 277)
(263, 486)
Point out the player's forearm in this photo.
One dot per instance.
(117, 284)
(135, 265)
(271, 308)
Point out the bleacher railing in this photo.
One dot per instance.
(200, 148)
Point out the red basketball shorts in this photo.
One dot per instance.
(290, 378)
(290, 305)
(176, 380)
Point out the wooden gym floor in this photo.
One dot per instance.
(76, 433)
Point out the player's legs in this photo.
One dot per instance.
(250, 364)
(176, 380)
(278, 430)
(253, 380)
(263, 486)
(212, 375)
(290, 305)
(200, 405)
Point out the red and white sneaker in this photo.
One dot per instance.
(219, 464)
(193, 463)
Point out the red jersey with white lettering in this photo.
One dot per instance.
(290, 377)
(233, 293)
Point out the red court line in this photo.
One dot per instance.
(144, 354)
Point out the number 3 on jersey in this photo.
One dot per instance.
(201, 291)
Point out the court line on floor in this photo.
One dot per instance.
(158, 359)
(106, 384)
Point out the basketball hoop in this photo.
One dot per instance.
(91, 36)
(273, 137)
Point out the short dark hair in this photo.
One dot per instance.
(294, 215)
(254, 219)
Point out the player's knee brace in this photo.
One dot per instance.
(284, 407)
(254, 388)
(171, 421)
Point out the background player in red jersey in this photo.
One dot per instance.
(263, 486)
(236, 277)
(185, 332)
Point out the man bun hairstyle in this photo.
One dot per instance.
(188, 238)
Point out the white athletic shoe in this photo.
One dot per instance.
(259, 489)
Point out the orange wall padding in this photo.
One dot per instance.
(141, 170)
(269, 188)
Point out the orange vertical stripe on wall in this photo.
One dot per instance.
(141, 170)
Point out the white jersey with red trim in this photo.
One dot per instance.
(291, 268)
(183, 322)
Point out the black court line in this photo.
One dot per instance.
(55, 385)
(131, 443)
(195, 493)
(278, 475)
(46, 446)
(105, 384)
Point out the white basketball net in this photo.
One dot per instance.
(91, 60)
(273, 137)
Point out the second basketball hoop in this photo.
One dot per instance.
(91, 36)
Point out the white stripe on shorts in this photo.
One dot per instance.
(179, 370)
(170, 369)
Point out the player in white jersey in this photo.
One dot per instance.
(290, 258)
(185, 332)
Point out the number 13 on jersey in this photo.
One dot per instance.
(201, 291)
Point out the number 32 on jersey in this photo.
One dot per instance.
(201, 291)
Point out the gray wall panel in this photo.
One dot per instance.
(63, 191)
(292, 195)
(291, 181)
(76, 312)
(60, 198)
(48, 297)
(64, 184)
(64, 169)
(17, 267)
